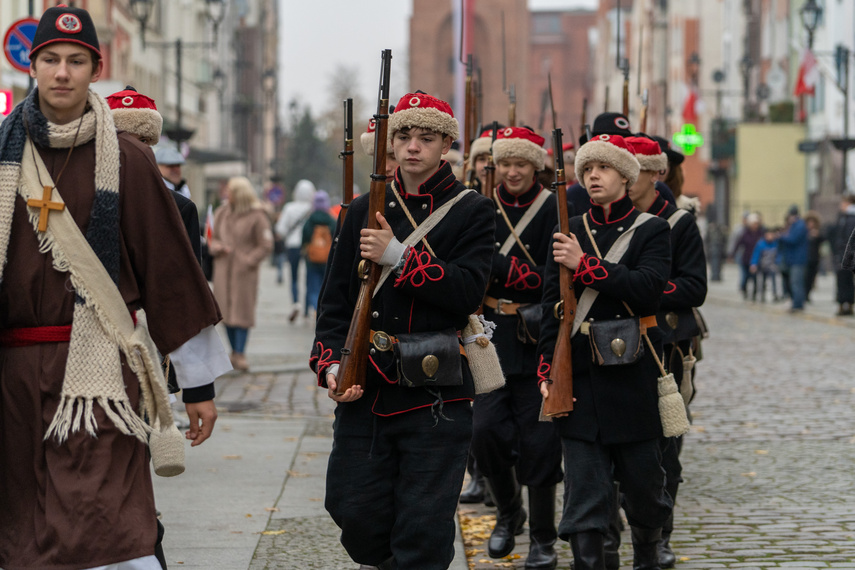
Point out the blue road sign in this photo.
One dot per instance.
(18, 41)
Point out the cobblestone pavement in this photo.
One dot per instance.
(767, 465)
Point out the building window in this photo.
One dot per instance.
(546, 24)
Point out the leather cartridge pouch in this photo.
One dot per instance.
(528, 323)
(616, 342)
(429, 359)
(677, 325)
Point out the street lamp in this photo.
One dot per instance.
(745, 65)
(141, 10)
(215, 10)
(810, 14)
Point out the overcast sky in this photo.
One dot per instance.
(319, 35)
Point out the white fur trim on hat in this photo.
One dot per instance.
(603, 151)
(479, 146)
(142, 122)
(655, 162)
(367, 140)
(425, 118)
(519, 148)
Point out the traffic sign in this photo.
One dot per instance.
(18, 41)
(5, 102)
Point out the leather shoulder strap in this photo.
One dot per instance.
(517, 231)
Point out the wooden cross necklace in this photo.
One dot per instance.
(45, 205)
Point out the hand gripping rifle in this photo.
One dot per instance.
(347, 157)
(490, 178)
(354, 355)
(560, 399)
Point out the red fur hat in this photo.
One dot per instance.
(610, 149)
(520, 142)
(648, 153)
(136, 113)
(367, 138)
(426, 112)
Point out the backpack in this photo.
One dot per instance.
(318, 249)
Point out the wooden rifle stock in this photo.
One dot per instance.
(512, 107)
(490, 178)
(560, 399)
(347, 157)
(354, 355)
(643, 120)
(626, 95)
(584, 117)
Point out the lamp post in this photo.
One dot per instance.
(215, 10)
(745, 65)
(810, 14)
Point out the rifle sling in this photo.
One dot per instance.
(419, 230)
(517, 231)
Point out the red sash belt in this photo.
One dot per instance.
(28, 336)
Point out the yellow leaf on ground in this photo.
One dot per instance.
(232, 457)
(271, 509)
(273, 532)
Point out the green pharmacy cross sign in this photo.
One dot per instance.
(688, 139)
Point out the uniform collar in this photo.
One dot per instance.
(659, 207)
(523, 199)
(441, 180)
(619, 210)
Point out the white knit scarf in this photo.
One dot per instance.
(93, 372)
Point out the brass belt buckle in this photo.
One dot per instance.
(382, 341)
(499, 303)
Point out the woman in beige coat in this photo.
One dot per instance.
(242, 239)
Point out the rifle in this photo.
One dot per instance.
(512, 107)
(490, 178)
(347, 156)
(467, 117)
(584, 117)
(643, 118)
(560, 399)
(354, 355)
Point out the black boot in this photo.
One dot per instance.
(587, 550)
(611, 540)
(667, 559)
(645, 548)
(488, 494)
(474, 491)
(542, 533)
(511, 514)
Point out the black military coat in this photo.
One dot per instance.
(615, 404)
(430, 294)
(687, 284)
(514, 278)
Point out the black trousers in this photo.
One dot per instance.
(393, 483)
(845, 286)
(507, 433)
(589, 492)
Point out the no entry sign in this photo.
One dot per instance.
(18, 41)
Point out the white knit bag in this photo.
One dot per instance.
(672, 410)
(481, 354)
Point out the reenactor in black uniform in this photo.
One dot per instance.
(686, 289)
(605, 124)
(511, 447)
(613, 431)
(401, 442)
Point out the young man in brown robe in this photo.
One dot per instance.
(78, 496)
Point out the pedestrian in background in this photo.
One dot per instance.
(169, 162)
(764, 261)
(840, 234)
(815, 239)
(290, 228)
(751, 233)
(317, 242)
(794, 256)
(242, 240)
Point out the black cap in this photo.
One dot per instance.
(674, 157)
(64, 24)
(608, 124)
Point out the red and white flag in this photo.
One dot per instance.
(209, 224)
(808, 75)
(693, 105)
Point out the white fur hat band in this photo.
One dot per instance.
(519, 142)
(612, 150)
(424, 111)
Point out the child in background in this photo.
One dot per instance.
(764, 260)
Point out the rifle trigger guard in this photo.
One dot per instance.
(362, 270)
(558, 310)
